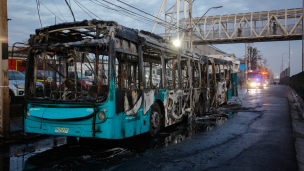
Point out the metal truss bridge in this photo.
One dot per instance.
(278, 25)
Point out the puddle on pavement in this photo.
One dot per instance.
(68, 153)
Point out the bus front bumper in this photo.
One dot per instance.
(47, 127)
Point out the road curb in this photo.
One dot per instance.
(296, 114)
(298, 103)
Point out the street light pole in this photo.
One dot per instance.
(246, 61)
(282, 63)
(190, 23)
(207, 11)
(288, 60)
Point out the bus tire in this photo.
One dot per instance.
(155, 120)
(226, 98)
(201, 105)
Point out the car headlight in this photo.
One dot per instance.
(253, 84)
(20, 86)
(101, 116)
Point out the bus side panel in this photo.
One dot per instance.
(133, 113)
(128, 126)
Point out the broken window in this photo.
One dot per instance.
(70, 74)
(126, 72)
(222, 70)
(185, 77)
(217, 72)
(195, 74)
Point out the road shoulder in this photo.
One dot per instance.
(296, 107)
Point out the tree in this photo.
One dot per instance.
(255, 55)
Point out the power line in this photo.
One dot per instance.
(128, 11)
(82, 8)
(185, 30)
(136, 6)
(144, 12)
(51, 12)
(64, 4)
(155, 17)
(59, 10)
(87, 9)
(124, 13)
(70, 10)
(38, 8)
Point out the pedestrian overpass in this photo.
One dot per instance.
(265, 26)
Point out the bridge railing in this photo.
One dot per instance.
(274, 25)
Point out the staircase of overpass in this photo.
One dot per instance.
(265, 26)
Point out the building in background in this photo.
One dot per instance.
(206, 50)
(229, 57)
(242, 66)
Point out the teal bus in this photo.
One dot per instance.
(141, 83)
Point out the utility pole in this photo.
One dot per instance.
(190, 28)
(4, 90)
(289, 61)
(249, 58)
(258, 62)
(246, 61)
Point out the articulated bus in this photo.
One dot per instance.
(141, 83)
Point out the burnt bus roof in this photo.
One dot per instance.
(221, 61)
(83, 33)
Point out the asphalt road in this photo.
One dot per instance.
(253, 135)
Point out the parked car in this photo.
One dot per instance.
(276, 81)
(16, 85)
(41, 77)
(86, 82)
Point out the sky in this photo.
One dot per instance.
(24, 20)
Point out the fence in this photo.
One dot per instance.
(296, 82)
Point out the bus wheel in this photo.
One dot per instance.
(155, 120)
(226, 98)
(201, 106)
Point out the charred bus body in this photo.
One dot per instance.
(141, 83)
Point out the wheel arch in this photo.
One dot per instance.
(162, 108)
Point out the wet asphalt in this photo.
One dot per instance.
(253, 132)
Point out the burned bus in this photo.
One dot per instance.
(141, 83)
